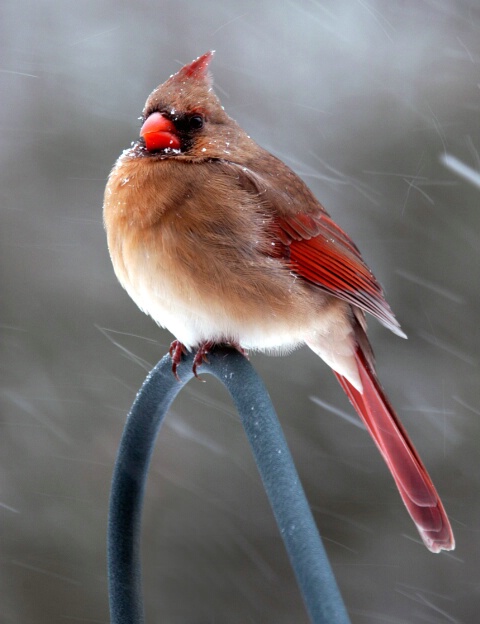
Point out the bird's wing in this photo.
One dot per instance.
(306, 237)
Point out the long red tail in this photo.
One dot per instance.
(413, 482)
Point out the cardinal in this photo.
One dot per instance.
(220, 242)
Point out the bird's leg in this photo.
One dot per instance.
(176, 351)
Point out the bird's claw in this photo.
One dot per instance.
(201, 357)
(176, 351)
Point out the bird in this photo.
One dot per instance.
(220, 242)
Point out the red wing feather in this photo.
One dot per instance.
(323, 254)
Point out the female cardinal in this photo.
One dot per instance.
(220, 242)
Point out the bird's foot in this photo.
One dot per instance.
(201, 356)
(177, 349)
(206, 347)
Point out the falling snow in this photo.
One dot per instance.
(376, 105)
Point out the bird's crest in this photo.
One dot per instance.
(197, 69)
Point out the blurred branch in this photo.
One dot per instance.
(275, 464)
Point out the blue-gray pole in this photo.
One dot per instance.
(287, 498)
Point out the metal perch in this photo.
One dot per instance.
(290, 507)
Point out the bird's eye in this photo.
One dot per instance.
(196, 122)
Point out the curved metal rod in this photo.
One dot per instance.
(292, 512)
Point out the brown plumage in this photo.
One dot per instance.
(220, 242)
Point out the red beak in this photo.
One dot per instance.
(159, 133)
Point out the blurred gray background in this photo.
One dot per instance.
(376, 105)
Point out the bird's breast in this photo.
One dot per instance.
(189, 245)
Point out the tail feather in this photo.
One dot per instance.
(410, 475)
